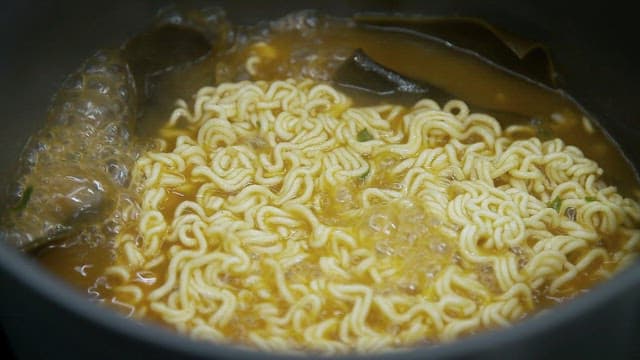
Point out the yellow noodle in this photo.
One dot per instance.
(303, 223)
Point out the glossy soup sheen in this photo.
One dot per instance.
(469, 77)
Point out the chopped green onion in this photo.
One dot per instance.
(555, 204)
(364, 175)
(364, 135)
(590, 198)
(24, 200)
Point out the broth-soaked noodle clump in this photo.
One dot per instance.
(278, 215)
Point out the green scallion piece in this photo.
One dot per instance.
(22, 204)
(364, 135)
(555, 204)
(364, 175)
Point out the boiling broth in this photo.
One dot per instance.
(463, 74)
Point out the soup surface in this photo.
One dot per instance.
(270, 207)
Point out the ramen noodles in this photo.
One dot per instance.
(281, 216)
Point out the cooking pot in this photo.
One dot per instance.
(594, 47)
